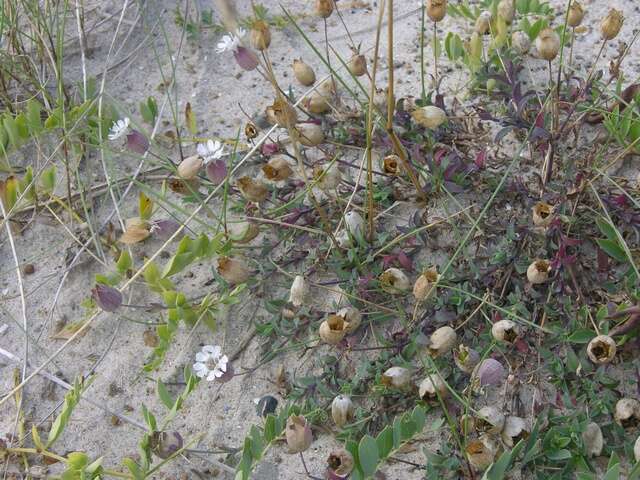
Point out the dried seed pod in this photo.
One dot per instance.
(391, 164)
(352, 317)
(393, 280)
(342, 410)
(576, 14)
(277, 169)
(136, 230)
(324, 8)
(233, 270)
(480, 453)
(333, 329)
(242, 231)
(489, 420)
(424, 284)
(601, 349)
(340, 463)
(542, 214)
(592, 439)
(627, 412)
(398, 377)
(429, 117)
(507, 10)
(538, 272)
(436, 9)
(190, 166)
(298, 434)
(515, 429)
(260, 35)
(432, 387)
(442, 341)
(318, 103)
(165, 444)
(466, 358)
(611, 24)
(299, 291)
(252, 190)
(251, 130)
(548, 44)
(303, 73)
(327, 176)
(488, 372)
(505, 331)
(284, 113)
(309, 134)
(521, 42)
(358, 64)
(483, 23)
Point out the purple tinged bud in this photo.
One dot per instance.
(164, 228)
(107, 298)
(490, 372)
(217, 171)
(246, 58)
(137, 142)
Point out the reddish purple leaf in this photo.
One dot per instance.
(107, 298)
(216, 171)
(246, 58)
(137, 142)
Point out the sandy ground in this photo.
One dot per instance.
(114, 346)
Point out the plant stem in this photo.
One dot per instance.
(435, 55)
(422, 72)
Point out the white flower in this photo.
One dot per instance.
(210, 151)
(119, 128)
(210, 362)
(231, 42)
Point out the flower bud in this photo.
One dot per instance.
(309, 134)
(107, 298)
(432, 387)
(429, 117)
(165, 444)
(260, 35)
(397, 377)
(576, 14)
(252, 190)
(352, 317)
(233, 270)
(442, 341)
(189, 167)
(548, 44)
(480, 453)
(246, 59)
(342, 410)
(627, 412)
(611, 24)
(298, 434)
(538, 272)
(505, 331)
(436, 9)
(333, 329)
(324, 8)
(506, 10)
(466, 358)
(489, 420)
(393, 280)
(358, 65)
(488, 372)
(542, 214)
(515, 429)
(592, 439)
(340, 463)
(299, 291)
(521, 42)
(424, 284)
(483, 23)
(303, 73)
(601, 349)
(277, 169)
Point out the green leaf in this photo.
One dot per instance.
(134, 469)
(368, 455)
(607, 229)
(190, 119)
(557, 455)
(124, 263)
(384, 441)
(71, 399)
(164, 395)
(145, 206)
(581, 335)
(34, 122)
(48, 179)
(149, 418)
(10, 126)
(613, 249)
(613, 473)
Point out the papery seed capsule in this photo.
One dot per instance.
(429, 117)
(324, 8)
(391, 164)
(333, 329)
(548, 44)
(521, 42)
(483, 23)
(627, 412)
(298, 434)
(299, 291)
(542, 214)
(352, 317)
(304, 73)
(515, 429)
(242, 231)
(424, 284)
(340, 463)
(489, 420)
(601, 349)
(489, 372)
(506, 9)
(636, 450)
(309, 134)
(576, 14)
(393, 280)
(436, 9)
(432, 387)
(190, 166)
(233, 270)
(277, 169)
(481, 453)
(358, 65)
(398, 377)
(342, 410)
(611, 24)
(593, 440)
(538, 272)
(466, 358)
(260, 35)
(505, 331)
(328, 176)
(252, 190)
(250, 130)
(442, 341)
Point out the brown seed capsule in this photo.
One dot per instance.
(601, 349)
(299, 291)
(298, 434)
(507, 10)
(252, 190)
(576, 14)
(442, 341)
(627, 412)
(242, 231)
(429, 117)
(304, 73)
(284, 113)
(324, 8)
(250, 130)
(505, 331)
(489, 420)
(432, 387)
(393, 280)
(398, 377)
(358, 65)
(260, 35)
(233, 270)
(424, 284)
(342, 410)
(483, 23)
(611, 24)
(548, 44)
(318, 103)
(309, 134)
(436, 9)
(333, 329)
(352, 317)
(480, 453)
(340, 463)
(277, 169)
(521, 42)
(190, 166)
(391, 164)
(136, 230)
(538, 272)
(542, 214)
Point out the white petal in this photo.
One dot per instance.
(201, 373)
(223, 360)
(202, 357)
(211, 376)
(202, 151)
(210, 349)
(216, 351)
(217, 372)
